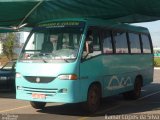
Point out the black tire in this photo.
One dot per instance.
(136, 93)
(93, 99)
(38, 105)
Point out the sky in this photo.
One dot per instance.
(154, 28)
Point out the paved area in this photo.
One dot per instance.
(115, 107)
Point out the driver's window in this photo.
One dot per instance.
(92, 44)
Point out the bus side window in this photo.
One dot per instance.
(120, 42)
(134, 43)
(145, 43)
(107, 43)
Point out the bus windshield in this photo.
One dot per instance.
(52, 44)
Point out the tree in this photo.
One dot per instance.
(8, 45)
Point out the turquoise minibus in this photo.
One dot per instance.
(83, 61)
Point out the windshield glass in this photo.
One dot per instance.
(50, 44)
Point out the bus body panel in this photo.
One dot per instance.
(115, 73)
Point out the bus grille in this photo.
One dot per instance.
(37, 79)
(47, 91)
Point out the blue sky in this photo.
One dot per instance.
(154, 28)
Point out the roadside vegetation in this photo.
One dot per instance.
(8, 41)
(4, 59)
(157, 62)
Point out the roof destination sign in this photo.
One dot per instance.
(62, 24)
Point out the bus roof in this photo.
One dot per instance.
(117, 26)
(102, 23)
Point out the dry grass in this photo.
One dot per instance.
(4, 59)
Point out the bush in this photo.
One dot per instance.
(156, 62)
(8, 45)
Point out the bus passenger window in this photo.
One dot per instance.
(134, 43)
(107, 43)
(120, 42)
(146, 44)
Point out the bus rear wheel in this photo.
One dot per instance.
(136, 92)
(93, 99)
(38, 105)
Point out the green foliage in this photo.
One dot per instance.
(157, 62)
(8, 45)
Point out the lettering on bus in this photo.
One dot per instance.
(117, 83)
(62, 24)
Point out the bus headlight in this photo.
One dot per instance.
(68, 77)
(18, 75)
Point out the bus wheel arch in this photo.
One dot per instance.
(94, 95)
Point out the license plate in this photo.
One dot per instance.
(38, 96)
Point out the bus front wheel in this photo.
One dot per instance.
(93, 99)
(38, 105)
(136, 92)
